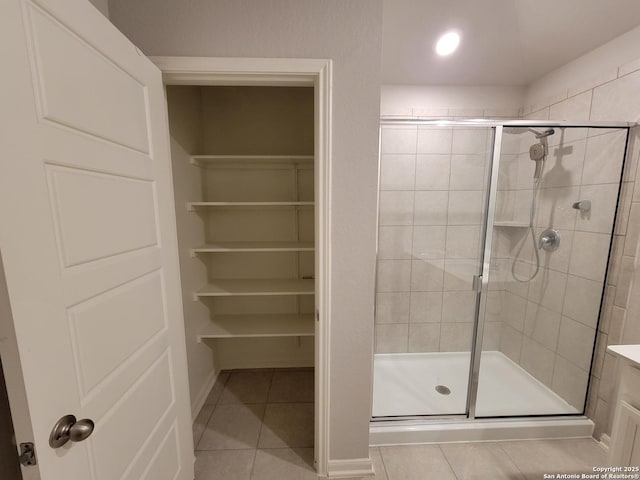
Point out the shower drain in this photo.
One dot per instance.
(443, 390)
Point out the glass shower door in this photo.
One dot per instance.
(556, 200)
(432, 208)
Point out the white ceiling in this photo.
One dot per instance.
(505, 42)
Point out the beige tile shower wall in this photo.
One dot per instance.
(615, 98)
(549, 323)
(432, 187)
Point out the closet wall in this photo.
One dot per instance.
(232, 145)
(185, 122)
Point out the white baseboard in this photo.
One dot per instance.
(198, 402)
(605, 441)
(353, 467)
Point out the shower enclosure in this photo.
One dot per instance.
(493, 247)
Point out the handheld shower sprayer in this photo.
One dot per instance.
(538, 153)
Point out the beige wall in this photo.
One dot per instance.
(451, 101)
(185, 126)
(257, 120)
(595, 67)
(102, 5)
(350, 33)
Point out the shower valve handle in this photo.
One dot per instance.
(549, 240)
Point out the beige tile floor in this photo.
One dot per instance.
(258, 425)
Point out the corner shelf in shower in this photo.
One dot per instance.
(510, 223)
(259, 326)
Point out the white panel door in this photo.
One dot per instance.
(87, 236)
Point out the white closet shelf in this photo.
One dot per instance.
(261, 287)
(194, 205)
(254, 247)
(267, 325)
(214, 160)
(510, 223)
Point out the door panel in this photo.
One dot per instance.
(128, 308)
(100, 215)
(113, 451)
(433, 190)
(89, 244)
(69, 84)
(543, 300)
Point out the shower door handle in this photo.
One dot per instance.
(477, 283)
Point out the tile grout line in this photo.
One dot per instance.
(215, 405)
(266, 402)
(446, 232)
(196, 442)
(448, 462)
(232, 449)
(253, 463)
(499, 444)
(384, 466)
(413, 233)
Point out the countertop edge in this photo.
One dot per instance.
(627, 352)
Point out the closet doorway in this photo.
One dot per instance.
(245, 189)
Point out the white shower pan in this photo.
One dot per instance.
(411, 384)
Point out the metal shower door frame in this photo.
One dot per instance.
(487, 238)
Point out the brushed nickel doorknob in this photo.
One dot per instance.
(69, 429)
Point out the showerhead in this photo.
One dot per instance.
(537, 151)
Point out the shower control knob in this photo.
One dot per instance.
(549, 240)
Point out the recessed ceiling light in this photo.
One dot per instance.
(448, 43)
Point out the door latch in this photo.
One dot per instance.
(27, 454)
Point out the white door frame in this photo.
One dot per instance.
(287, 72)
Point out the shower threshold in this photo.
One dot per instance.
(410, 385)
